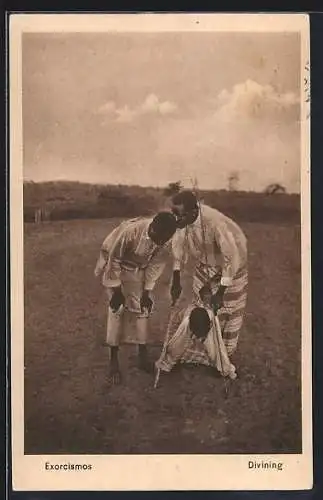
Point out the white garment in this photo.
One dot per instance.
(128, 324)
(182, 348)
(128, 247)
(214, 238)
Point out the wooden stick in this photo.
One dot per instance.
(165, 343)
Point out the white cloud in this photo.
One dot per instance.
(152, 105)
(167, 107)
(107, 108)
(250, 128)
(252, 101)
(125, 115)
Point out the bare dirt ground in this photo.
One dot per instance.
(71, 409)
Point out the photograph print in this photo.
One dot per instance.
(160, 223)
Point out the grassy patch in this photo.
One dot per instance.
(69, 407)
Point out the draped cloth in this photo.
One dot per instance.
(183, 348)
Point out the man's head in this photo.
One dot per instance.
(162, 228)
(184, 207)
(199, 323)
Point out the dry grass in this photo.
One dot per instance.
(69, 407)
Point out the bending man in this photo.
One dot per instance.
(218, 248)
(132, 258)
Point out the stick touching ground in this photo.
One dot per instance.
(165, 342)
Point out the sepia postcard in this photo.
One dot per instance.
(160, 252)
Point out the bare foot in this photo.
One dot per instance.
(114, 375)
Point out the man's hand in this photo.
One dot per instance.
(146, 302)
(176, 288)
(117, 299)
(98, 268)
(217, 299)
(101, 263)
(205, 294)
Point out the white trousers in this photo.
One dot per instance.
(130, 316)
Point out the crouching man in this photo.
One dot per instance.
(195, 339)
(132, 259)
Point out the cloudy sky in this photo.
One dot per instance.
(149, 109)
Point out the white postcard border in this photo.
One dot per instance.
(149, 472)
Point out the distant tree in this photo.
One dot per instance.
(173, 188)
(275, 189)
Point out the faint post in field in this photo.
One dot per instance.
(38, 215)
(41, 215)
(233, 181)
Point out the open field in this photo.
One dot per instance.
(69, 407)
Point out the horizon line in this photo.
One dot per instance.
(73, 181)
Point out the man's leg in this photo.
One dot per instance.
(235, 300)
(114, 368)
(142, 325)
(133, 284)
(113, 336)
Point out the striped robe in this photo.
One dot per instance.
(218, 248)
